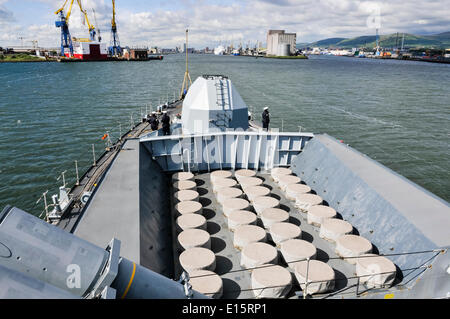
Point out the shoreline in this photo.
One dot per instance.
(293, 57)
(28, 61)
(442, 61)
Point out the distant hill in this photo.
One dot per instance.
(329, 41)
(301, 45)
(441, 40)
(443, 37)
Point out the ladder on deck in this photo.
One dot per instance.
(223, 100)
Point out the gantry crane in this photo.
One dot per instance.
(66, 39)
(114, 49)
(63, 23)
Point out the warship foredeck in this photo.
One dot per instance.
(237, 279)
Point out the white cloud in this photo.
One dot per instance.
(5, 14)
(213, 22)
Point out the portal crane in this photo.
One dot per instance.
(63, 23)
(114, 49)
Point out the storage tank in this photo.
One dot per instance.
(284, 49)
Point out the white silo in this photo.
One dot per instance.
(284, 49)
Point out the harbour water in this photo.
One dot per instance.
(396, 112)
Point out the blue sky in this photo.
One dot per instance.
(211, 22)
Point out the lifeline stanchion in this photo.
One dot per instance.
(76, 171)
(305, 292)
(93, 155)
(63, 178)
(44, 195)
(357, 288)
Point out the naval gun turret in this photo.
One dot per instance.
(213, 104)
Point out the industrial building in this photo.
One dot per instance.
(280, 43)
(135, 54)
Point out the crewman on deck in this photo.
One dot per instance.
(265, 118)
(165, 121)
(154, 123)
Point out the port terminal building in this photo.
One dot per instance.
(280, 43)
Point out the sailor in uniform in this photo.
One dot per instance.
(154, 123)
(265, 118)
(165, 120)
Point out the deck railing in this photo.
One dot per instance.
(226, 150)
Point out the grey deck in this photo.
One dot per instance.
(114, 208)
(236, 281)
(127, 207)
(94, 174)
(400, 218)
(429, 213)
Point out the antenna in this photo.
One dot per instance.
(186, 74)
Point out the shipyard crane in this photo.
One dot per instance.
(92, 31)
(114, 49)
(95, 19)
(63, 23)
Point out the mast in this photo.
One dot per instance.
(187, 78)
(377, 44)
(396, 43)
(403, 41)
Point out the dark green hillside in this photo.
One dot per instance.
(441, 40)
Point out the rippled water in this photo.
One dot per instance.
(397, 112)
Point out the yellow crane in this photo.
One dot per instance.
(60, 11)
(115, 48)
(113, 20)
